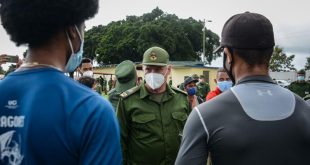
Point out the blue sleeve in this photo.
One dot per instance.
(98, 133)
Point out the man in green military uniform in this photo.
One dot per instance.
(126, 78)
(181, 86)
(103, 83)
(203, 88)
(110, 83)
(300, 87)
(98, 86)
(152, 115)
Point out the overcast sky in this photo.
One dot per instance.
(290, 19)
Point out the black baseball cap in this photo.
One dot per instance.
(247, 31)
(189, 80)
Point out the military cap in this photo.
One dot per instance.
(195, 76)
(126, 76)
(155, 56)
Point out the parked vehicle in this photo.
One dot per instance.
(283, 83)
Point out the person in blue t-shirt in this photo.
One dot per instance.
(45, 116)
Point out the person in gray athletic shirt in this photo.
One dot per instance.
(256, 121)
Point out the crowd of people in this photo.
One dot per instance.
(50, 118)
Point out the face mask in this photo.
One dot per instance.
(229, 72)
(191, 91)
(224, 85)
(75, 58)
(301, 78)
(154, 80)
(88, 73)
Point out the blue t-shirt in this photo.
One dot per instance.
(48, 118)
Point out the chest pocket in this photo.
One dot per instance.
(144, 118)
(181, 116)
(179, 120)
(142, 125)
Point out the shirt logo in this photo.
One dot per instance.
(264, 92)
(10, 149)
(12, 104)
(153, 56)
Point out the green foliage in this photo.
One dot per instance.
(307, 66)
(1, 70)
(92, 39)
(280, 61)
(12, 68)
(128, 39)
(25, 53)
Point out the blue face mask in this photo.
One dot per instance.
(301, 78)
(191, 91)
(75, 58)
(224, 85)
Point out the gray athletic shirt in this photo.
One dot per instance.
(255, 122)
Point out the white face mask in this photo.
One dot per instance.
(154, 80)
(88, 73)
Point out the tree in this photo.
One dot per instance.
(25, 53)
(307, 66)
(92, 39)
(128, 39)
(12, 68)
(280, 61)
(1, 70)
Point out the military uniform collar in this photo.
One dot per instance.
(255, 79)
(169, 90)
(144, 93)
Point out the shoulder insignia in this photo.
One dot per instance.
(130, 91)
(178, 90)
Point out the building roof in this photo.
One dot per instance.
(175, 64)
(192, 64)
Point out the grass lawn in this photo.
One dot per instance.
(105, 96)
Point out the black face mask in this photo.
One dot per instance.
(229, 72)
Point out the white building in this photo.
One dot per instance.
(288, 76)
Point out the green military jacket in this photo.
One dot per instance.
(203, 89)
(113, 97)
(104, 84)
(98, 88)
(300, 88)
(170, 82)
(110, 83)
(151, 131)
(181, 86)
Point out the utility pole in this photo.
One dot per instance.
(204, 39)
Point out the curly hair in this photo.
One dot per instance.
(255, 56)
(85, 60)
(87, 81)
(35, 22)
